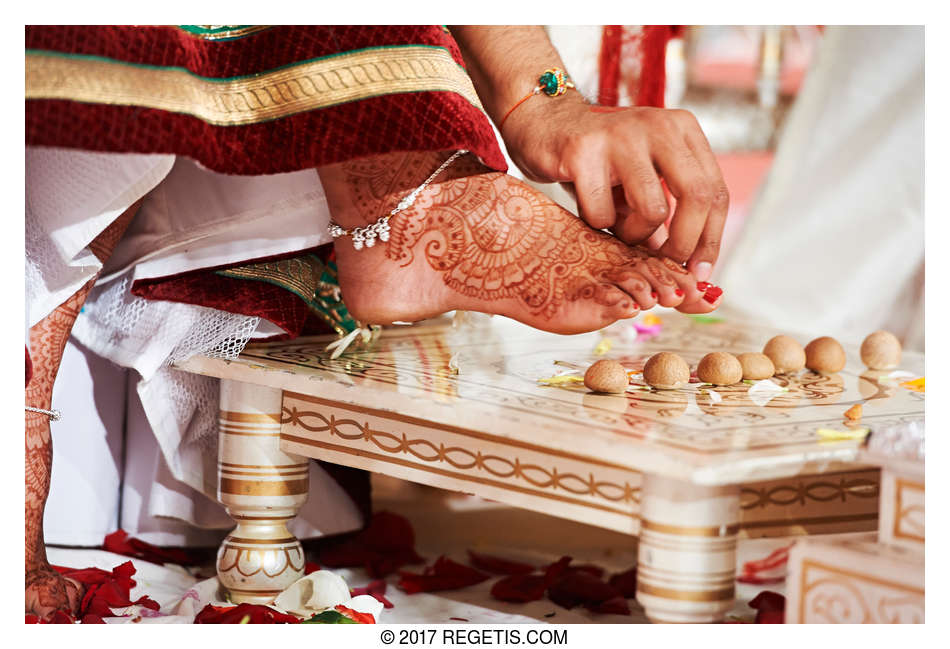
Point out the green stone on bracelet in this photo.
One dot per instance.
(549, 83)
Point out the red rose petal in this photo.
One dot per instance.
(615, 605)
(498, 565)
(309, 567)
(579, 587)
(554, 571)
(591, 569)
(625, 582)
(256, 614)
(91, 618)
(773, 560)
(121, 543)
(356, 616)
(385, 545)
(375, 589)
(147, 602)
(444, 574)
(770, 617)
(768, 600)
(760, 581)
(519, 588)
(61, 617)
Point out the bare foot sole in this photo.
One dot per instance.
(484, 241)
(47, 591)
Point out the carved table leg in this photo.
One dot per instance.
(262, 488)
(687, 554)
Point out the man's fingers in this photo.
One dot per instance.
(594, 197)
(644, 194)
(693, 190)
(707, 249)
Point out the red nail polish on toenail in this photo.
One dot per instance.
(679, 292)
(653, 295)
(636, 306)
(712, 294)
(702, 286)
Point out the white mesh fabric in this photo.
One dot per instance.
(148, 334)
(71, 197)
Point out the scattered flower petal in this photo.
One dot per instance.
(561, 379)
(704, 319)
(444, 574)
(603, 346)
(313, 593)
(770, 607)
(764, 391)
(854, 412)
(917, 385)
(120, 542)
(387, 544)
(375, 589)
(520, 588)
(625, 582)
(255, 614)
(498, 565)
(832, 435)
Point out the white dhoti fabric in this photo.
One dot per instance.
(190, 219)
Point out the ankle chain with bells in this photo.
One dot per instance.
(380, 229)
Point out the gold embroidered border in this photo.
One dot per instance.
(229, 102)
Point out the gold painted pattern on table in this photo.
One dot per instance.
(833, 594)
(499, 375)
(304, 86)
(483, 459)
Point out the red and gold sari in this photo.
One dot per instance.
(254, 100)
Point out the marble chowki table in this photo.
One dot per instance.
(686, 471)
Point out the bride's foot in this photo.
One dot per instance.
(47, 591)
(484, 241)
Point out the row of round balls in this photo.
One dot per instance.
(881, 350)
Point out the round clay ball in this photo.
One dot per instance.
(666, 371)
(785, 353)
(825, 355)
(606, 376)
(756, 366)
(881, 351)
(719, 368)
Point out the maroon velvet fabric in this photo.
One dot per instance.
(419, 121)
(206, 288)
(271, 48)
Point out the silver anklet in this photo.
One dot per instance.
(367, 235)
(54, 415)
